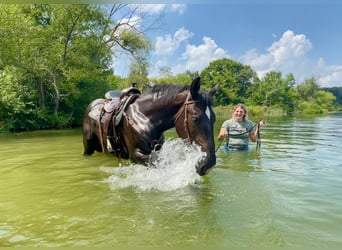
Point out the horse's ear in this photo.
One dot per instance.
(212, 92)
(195, 87)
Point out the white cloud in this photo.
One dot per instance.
(168, 44)
(287, 55)
(148, 8)
(180, 8)
(156, 9)
(257, 62)
(329, 75)
(290, 47)
(127, 23)
(290, 55)
(198, 57)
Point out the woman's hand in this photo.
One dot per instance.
(254, 135)
(262, 123)
(223, 133)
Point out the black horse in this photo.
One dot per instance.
(135, 129)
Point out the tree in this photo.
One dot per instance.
(337, 92)
(16, 107)
(325, 99)
(63, 55)
(273, 90)
(139, 72)
(307, 90)
(234, 79)
(165, 71)
(180, 79)
(312, 99)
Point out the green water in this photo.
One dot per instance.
(288, 194)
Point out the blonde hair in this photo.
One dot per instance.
(242, 106)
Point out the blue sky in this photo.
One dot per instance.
(293, 37)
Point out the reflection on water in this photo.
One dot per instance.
(288, 194)
(239, 160)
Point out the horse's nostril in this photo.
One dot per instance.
(200, 171)
(205, 166)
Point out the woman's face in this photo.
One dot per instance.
(239, 114)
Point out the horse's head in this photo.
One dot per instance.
(162, 107)
(195, 122)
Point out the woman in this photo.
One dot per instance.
(238, 130)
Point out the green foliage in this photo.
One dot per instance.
(234, 79)
(55, 59)
(337, 92)
(139, 72)
(180, 79)
(309, 107)
(15, 100)
(135, 42)
(312, 100)
(325, 100)
(273, 90)
(307, 90)
(238, 83)
(256, 111)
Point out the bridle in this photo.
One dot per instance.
(184, 109)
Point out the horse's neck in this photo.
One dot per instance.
(154, 116)
(165, 111)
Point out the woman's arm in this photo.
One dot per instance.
(254, 134)
(223, 133)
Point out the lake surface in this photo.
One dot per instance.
(288, 194)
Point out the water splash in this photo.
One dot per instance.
(173, 169)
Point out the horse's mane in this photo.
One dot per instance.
(168, 90)
(172, 90)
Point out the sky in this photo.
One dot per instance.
(288, 36)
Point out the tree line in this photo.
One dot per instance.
(240, 84)
(55, 59)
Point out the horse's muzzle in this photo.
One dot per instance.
(204, 166)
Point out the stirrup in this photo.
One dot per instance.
(109, 146)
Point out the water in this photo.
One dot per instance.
(171, 172)
(288, 194)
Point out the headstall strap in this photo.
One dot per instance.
(184, 109)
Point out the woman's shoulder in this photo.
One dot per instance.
(250, 122)
(227, 122)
